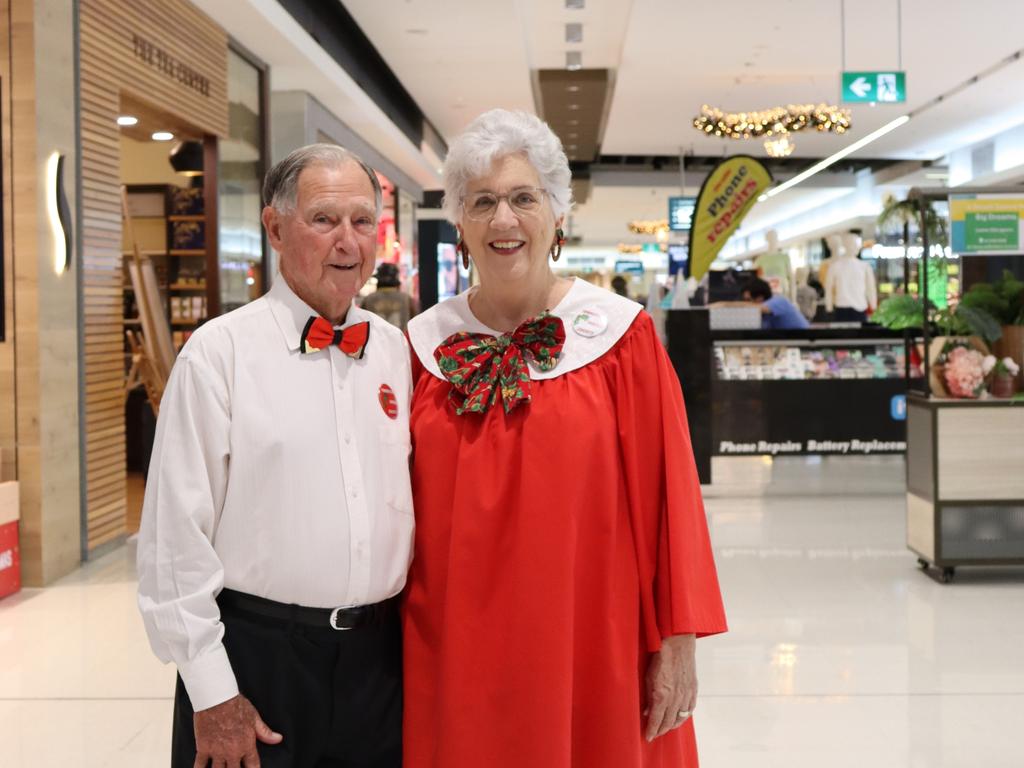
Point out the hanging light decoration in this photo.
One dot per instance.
(769, 123)
(780, 147)
(652, 227)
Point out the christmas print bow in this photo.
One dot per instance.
(482, 367)
(320, 334)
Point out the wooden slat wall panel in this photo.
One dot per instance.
(111, 70)
(8, 420)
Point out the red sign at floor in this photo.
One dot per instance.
(10, 559)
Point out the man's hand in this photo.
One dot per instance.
(671, 685)
(227, 733)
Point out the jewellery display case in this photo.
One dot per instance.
(819, 391)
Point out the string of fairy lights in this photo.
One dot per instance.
(774, 125)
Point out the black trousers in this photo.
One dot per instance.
(849, 315)
(335, 696)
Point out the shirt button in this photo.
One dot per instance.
(348, 439)
(355, 493)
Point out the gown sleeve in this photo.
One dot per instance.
(678, 581)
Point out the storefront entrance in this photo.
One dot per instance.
(153, 79)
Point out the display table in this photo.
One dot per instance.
(819, 391)
(965, 482)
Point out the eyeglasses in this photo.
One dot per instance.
(524, 201)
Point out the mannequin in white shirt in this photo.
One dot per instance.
(278, 506)
(775, 267)
(850, 289)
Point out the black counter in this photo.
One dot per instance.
(864, 412)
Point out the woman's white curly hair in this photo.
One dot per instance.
(494, 135)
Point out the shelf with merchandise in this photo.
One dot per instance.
(799, 363)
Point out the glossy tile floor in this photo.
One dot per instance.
(841, 653)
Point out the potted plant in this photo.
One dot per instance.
(1004, 300)
(1002, 375)
(905, 212)
(969, 328)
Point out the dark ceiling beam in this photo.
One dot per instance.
(336, 31)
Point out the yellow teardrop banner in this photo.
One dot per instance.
(729, 192)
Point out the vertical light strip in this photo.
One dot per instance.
(53, 215)
(58, 214)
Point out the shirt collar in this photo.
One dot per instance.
(292, 313)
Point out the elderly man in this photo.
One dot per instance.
(277, 525)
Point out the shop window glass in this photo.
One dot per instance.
(240, 175)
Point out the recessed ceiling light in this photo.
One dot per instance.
(573, 135)
(574, 106)
(572, 88)
(574, 121)
(575, 5)
(163, 136)
(416, 31)
(573, 60)
(127, 120)
(573, 146)
(574, 32)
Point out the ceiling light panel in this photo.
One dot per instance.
(573, 60)
(575, 5)
(574, 32)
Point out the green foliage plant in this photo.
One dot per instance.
(1003, 299)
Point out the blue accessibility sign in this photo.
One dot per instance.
(898, 407)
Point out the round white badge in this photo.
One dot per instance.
(590, 323)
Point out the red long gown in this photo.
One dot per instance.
(555, 547)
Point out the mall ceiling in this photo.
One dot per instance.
(664, 59)
(661, 60)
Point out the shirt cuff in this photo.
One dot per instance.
(209, 679)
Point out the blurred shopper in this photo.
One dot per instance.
(278, 509)
(777, 312)
(619, 286)
(562, 567)
(806, 295)
(389, 301)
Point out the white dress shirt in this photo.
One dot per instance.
(275, 473)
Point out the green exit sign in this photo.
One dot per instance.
(881, 87)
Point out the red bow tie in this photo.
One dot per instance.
(320, 334)
(484, 368)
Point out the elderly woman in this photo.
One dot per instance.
(562, 567)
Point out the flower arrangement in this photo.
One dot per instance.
(964, 372)
(1001, 375)
(1004, 367)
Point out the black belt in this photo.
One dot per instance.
(334, 618)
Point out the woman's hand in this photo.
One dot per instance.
(671, 685)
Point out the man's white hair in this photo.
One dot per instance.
(280, 186)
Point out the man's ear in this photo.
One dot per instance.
(272, 223)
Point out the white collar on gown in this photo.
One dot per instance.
(583, 310)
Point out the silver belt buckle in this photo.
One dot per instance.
(334, 621)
